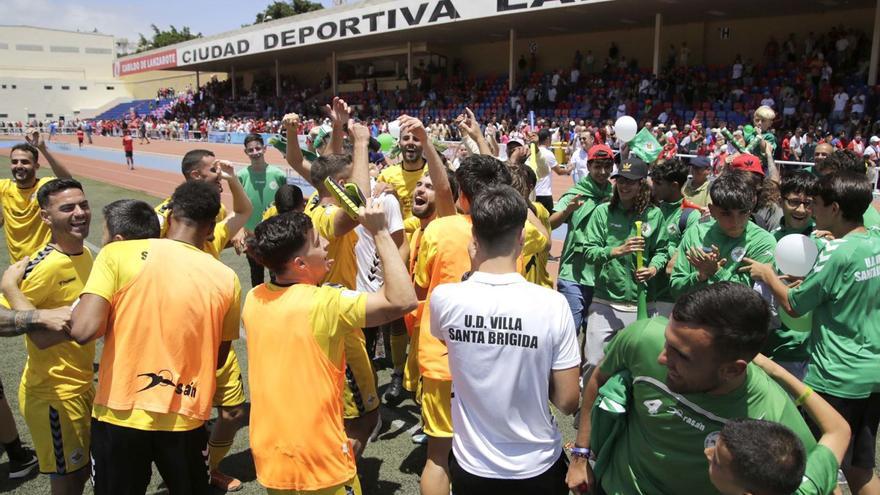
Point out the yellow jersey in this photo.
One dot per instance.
(536, 252)
(25, 230)
(163, 209)
(343, 271)
(270, 212)
(119, 265)
(404, 182)
(297, 437)
(52, 280)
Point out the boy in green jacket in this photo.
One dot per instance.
(712, 251)
(576, 278)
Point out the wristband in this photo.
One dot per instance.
(804, 396)
(582, 452)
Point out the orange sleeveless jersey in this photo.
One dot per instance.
(296, 376)
(164, 329)
(443, 258)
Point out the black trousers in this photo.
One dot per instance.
(550, 482)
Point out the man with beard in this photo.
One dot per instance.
(402, 178)
(55, 396)
(689, 376)
(25, 231)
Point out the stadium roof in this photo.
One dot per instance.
(528, 17)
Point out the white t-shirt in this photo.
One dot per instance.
(504, 336)
(578, 162)
(737, 71)
(544, 187)
(370, 275)
(840, 100)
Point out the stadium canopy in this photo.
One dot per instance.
(372, 23)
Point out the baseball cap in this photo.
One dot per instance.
(514, 142)
(600, 151)
(748, 162)
(875, 139)
(633, 168)
(700, 162)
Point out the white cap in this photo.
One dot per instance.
(875, 139)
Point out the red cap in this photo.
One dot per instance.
(748, 162)
(600, 151)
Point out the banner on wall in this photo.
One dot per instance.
(154, 61)
(346, 24)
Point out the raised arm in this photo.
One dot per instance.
(294, 155)
(339, 112)
(360, 167)
(241, 204)
(58, 169)
(470, 127)
(835, 430)
(443, 200)
(397, 296)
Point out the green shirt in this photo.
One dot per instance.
(785, 344)
(573, 267)
(671, 231)
(842, 291)
(260, 188)
(697, 195)
(661, 449)
(820, 475)
(610, 227)
(871, 218)
(755, 243)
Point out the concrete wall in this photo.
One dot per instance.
(52, 98)
(28, 52)
(144, 85)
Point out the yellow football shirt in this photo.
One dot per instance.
(343, 271)
(404, 182)
(535, 253)
(118, 265)
(53, 280)
(270, 212)
(25, 230)
(163, 209)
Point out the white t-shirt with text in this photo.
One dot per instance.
(370, 275)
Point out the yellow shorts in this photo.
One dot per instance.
(350, 487)
(359, 396)
(60, 430)
(437, 407)
(230, 390)
(411, 373)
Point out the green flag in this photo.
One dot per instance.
(645, 146)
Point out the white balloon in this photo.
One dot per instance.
(796, 254)
(626, 128)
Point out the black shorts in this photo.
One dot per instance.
(129, 154)
(863, 415)
(546, 202)
(122, 460)
(550, 482)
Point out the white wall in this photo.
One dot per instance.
(20, 97)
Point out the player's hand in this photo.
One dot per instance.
(34, 138)
(644, 274)
(239, 242)
(575, 202)
(414, 126)
(580, 478)
(631, 245)
(291, 121)
(761, 272)
(707, 262)
(384, 188)
(359, 133)
(372, 216)
(54, 320)
(824, 234)
(520, 154)
(13, 275)
(227, 171)
(339, 112)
